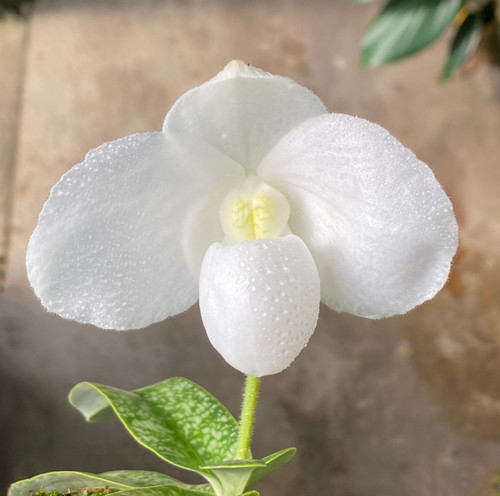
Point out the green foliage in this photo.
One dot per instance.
(88, 491)
(273, 462)
(61, 482)
(176, 419)
(81, 492)
(181, 423)
(43, 493)
(464, 44)
(124, 483)
(404, 27)
(233, 475)
(142, 478)
(184, 425)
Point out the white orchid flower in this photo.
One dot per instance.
(258, 201)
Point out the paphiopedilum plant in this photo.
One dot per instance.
(260, 203)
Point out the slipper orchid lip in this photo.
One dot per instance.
(259, 301)
(247, 164)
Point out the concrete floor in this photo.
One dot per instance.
(407, 406)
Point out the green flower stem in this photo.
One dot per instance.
(247, 416)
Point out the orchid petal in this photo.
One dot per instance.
(378, 224)
(259, 302)
(243, 112)
(112, 244)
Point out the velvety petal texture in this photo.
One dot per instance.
(259, 301)
(378, 224)
(117, 244)
(144, 224)
(243, 111)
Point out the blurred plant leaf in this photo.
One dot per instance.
(464, 44)
(120, 482)
(404, 27)
(176, 419)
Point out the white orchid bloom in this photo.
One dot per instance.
(259, 201)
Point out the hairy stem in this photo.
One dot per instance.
(250, 396)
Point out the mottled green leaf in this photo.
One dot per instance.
(176, 419)
(184, 425)
(139, 478)
(149, 426)
(233, 475)
(236, 465)
(272, 463)
(237, 476)
(62, 481)
(404, 27)
(464, 44)
(93, 405)
(123, 482)
(203, 420)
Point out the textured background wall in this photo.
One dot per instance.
(405, 406)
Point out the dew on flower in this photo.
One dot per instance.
(268, 204)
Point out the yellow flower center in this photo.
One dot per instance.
(254, 210)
